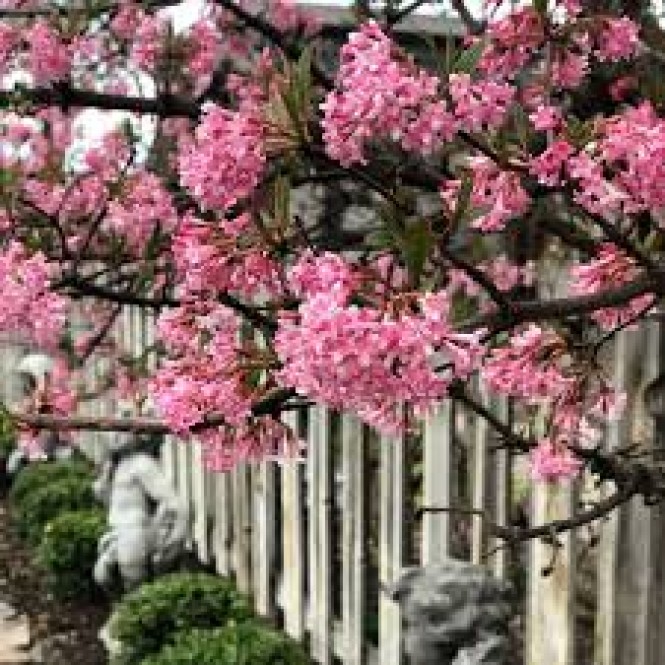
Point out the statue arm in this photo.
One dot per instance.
(170, 519)
(101, 487)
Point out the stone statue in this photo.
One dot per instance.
(455, 613)
(147, 521)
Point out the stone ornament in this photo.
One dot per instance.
(147, 521)
(455, 613)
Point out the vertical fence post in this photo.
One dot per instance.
(437, 482)
(550, 601)
(353, 556)
(242, 527)
(391, 542)
(263, 546)
(199, 502)
(223, 523)
(293, 541)
(319, 501)
(632, 630)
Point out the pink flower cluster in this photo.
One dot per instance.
(552, 461)
(205, 49)
(379, 96)
(527, 367)
(224, 163)
(49, 58)
(373, 362)
(257, 439)
(28, 306)
(479, 106)
(201, 378)
(328, 274)
(497, 194)
(209, 260)
(611, 269)
(144, 206)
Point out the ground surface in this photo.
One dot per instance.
(32, 622)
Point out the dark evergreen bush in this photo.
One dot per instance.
(68, 551)
(149, 618)
(248, 643)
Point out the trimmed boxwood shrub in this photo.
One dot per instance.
(249, 643)
(149, 618)
(68, 551)
(39, 474)
(43, 504)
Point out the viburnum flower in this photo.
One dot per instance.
(549, 167)
(49, 58)
(527, 366)
(372, 362)
(9, 37)
(224, 163)
(29, 307)
(210, 260)
(611, 269)
(379, 96)
(551, 460)
(617, 40)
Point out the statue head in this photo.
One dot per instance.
(455, 613)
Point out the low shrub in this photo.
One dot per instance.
(39, 474)
(43, 504)
(7, 434)
(150, 617)
(248, 643)
(68, 551)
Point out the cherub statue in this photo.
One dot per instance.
(147, 521)
(455, 613)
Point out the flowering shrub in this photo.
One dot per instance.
(370, 235)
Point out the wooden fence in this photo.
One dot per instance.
(317, 542)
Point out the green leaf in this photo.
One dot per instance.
(467, 61)
(415, 244)
(463, 200)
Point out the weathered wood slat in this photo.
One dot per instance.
(263, 545)
(319, 545)
(222, 532)
(391, 546)
(242, 527)
(199, 503)
(353, 550)
(437, 482)
(550, 629)
(293, 542)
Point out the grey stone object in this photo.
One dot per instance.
(454, 613)
(148, 521)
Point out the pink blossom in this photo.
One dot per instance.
(618, 39)
(378, 96)
(552, 461)
(8, 41)
(224, 163)
(205, 49)
(361, 359)
(546, 117)
(479, 106)
(610, 269)
(549, 167)
(29, 307)
(49, 58)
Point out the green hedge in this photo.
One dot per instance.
(43, 504)
(36, 475)
(68, 551)
(248, 643)
(150, 617)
